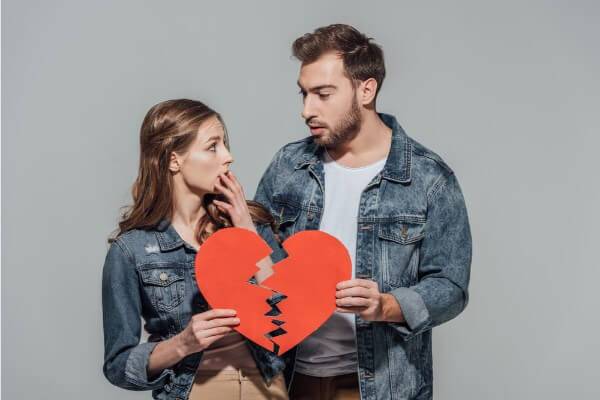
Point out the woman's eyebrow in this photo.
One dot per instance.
(217, 138)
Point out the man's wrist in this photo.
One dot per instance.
(181, 347)
(390, 309)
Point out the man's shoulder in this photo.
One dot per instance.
(425, 160)
(300, 146)
(429, 172)
(296, 151)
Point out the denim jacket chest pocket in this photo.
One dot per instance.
(400, 240)
(164, 284)
(286, 216)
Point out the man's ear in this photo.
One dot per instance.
(174, 163)
(367, 91)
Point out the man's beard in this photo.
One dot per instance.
(346, 129)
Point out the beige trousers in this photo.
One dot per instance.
(236, 385)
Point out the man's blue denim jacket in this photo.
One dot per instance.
(413, 240)
(150, 274)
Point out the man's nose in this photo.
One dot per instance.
(308, 110)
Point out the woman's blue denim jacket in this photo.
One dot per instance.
(150, 274)
(413, 240)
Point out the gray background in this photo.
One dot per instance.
(506, 92)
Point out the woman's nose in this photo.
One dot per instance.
(228, 159)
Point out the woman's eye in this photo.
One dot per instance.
(213, 147)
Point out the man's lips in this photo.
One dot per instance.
(316, 129)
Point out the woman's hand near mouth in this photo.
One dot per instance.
(236, 207)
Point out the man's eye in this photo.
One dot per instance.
(213, 147)
(302, 93)
(324, 96)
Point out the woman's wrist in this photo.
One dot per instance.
(248, 225)
(166, 354)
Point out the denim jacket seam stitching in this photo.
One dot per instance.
(294, 204)
(437, 187)
(435, 158)
(276, 167)
(123, 246)
(407, 159)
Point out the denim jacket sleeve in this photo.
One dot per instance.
(264, 191)
(264, 194)
(125, 358)
(441, 292)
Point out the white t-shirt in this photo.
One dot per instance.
(331, 350)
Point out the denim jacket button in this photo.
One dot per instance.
(163, 276)
(404, 232)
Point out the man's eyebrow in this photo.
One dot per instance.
(317, 88)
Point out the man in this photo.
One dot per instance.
(395, 205)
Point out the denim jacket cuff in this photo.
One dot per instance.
(136, 368)
(414, 311)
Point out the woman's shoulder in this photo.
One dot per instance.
(135, 242)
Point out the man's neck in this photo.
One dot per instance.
(371, 144)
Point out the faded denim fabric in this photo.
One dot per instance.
(413, 239)
(151, 274)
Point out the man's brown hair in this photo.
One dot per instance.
(363, 59)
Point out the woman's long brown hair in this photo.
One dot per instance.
(171, 126)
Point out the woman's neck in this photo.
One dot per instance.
(187, 211)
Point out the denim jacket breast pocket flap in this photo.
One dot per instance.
(165, 286)
(285, 212)
(404, 229)
(286, 215)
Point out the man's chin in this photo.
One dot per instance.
(322, 140)
(325, 141)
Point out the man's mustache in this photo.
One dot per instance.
(315, 124)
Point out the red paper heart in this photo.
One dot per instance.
(316, 262)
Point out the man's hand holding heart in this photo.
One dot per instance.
(362, 297)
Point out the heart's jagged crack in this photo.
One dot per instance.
(265, 271)
(275, 312)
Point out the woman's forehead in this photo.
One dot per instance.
(210, 128)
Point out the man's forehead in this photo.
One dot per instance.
(327, 70)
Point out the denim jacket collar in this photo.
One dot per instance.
(398, 165)
(167, 236)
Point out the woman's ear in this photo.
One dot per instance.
(174, 163)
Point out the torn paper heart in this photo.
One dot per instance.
(287, 306)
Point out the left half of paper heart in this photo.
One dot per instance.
(224, 266)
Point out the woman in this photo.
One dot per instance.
(184, 192)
